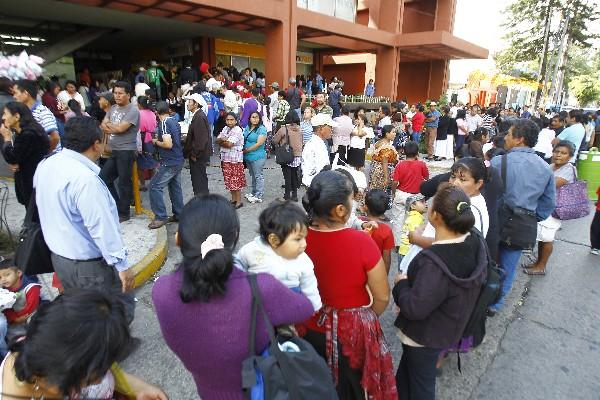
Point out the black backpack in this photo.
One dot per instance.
(293, 97)
(279, 375)
(489, 295)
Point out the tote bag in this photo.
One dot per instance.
(572, 200)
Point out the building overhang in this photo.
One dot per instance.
(437, 45)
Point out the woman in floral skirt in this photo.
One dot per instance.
(231, 142)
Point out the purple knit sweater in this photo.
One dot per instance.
(211, 339)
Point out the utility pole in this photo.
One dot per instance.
(544, 64)
(560, 58)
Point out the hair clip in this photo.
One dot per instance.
(462, 206)
(212, 242)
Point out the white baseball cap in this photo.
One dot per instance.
(212, 83)
(197, 97)
(323, 119)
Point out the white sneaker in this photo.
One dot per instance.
(254, 199)
(595, 252)
(249, 196)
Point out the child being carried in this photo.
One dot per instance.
(279, 250)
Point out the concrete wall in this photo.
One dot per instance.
(413, 81)
(419, 16)
(351, 74)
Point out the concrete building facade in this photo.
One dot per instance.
(405, 45)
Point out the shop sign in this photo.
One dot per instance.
(303, 57)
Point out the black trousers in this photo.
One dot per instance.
(595, 231)
(120, 165)
(349, 387)
(416, 373)
(290, 177)
(199, 177)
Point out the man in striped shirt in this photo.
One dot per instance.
(25, 91)
(489, 121)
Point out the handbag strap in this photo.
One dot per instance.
(257, 304)
(480, 216)
(503, 171)
(277, 353)
(31, 215)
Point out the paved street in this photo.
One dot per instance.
(544, 345)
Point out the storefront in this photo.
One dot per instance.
(304, 63)
(247, 55)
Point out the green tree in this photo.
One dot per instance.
(586, 88)
(525, 23)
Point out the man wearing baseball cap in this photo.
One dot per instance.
(431, 124)
(295, 97)
(198, 144)
(315, 155)
(274, 96)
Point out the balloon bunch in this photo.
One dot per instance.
(23, 66)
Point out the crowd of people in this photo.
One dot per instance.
(366, 187)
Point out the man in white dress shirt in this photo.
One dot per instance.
(315, 155)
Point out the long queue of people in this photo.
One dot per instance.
(332, 293)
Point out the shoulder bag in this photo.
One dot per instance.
(244, 148)
(572, 200)
(518, 226)
(283, 152)
(289, 368)
(32, 255)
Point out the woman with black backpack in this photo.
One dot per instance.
(438, 294)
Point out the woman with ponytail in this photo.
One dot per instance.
(438, 294)
(354, 290)
(204, 307)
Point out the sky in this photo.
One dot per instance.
(479, 22)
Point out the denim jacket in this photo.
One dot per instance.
(529, 182)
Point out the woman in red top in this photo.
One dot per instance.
(418, 120)
(348, 265)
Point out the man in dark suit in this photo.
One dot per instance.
(198, 146)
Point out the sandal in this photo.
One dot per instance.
(238, 205)
(534, 272)
(530, 266)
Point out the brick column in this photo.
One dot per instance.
(389, 18)
(439, 74)
(280, 44)
(444, 15)
(386, 72)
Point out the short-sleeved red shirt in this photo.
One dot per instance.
(342, 259)
(598, 203)
(418, 120)
(382, 236)
(410, 174)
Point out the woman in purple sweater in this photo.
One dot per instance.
(204, 307)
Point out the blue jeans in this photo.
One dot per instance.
(258, 179)
(416, 137)
(171, 177)
(509, 260)
(3, 331)
(299, 112)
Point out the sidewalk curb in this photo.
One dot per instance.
(155, 258)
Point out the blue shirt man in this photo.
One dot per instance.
(168, 144)
(434, 118)
(574, 132)
(534, 190)
(79, 217)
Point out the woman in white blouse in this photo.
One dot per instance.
(358, 138)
